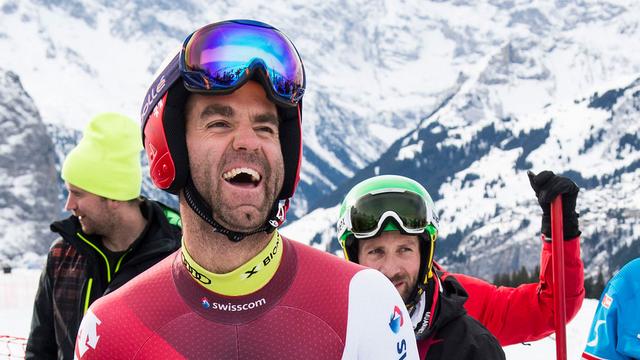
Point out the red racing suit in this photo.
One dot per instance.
(316, 306)
(526, 313)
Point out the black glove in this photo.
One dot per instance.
(548, 186)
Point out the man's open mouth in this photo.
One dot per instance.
(242, 177)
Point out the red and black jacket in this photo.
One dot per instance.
(525, 313)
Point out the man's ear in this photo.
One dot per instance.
(114, 204)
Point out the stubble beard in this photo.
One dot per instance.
(236, 219)
(91, 226)
(406, 291)
(405, 294)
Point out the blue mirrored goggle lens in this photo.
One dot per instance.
(222, 56)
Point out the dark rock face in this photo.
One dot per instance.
(28, 176)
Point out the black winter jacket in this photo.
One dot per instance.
(77, 273)
(448, 332)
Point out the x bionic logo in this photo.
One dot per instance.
(248, 273)
(269, 256)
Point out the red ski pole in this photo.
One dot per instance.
(557, 255)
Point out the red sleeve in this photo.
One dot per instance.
(526, 313)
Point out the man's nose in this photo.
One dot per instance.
(71, 203)
(246, 138)
(389, 267)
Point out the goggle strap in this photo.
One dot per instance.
(429, 265)
(169, 75)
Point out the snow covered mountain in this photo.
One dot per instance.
(476, 173)
(546, 98)
(32, 193)
(28, 193)
(463, 95)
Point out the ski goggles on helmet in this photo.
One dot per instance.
(221, 57)
(370, 213)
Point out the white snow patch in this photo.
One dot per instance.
(316, 222)
(409, 152)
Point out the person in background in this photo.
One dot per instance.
(389, 223)
(112, 235)
(512, 315)
(615, 330)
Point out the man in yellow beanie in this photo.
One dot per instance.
(112, 235)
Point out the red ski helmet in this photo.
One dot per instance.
(218, 59)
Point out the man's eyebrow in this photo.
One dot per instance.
(410, 244)
(267, 118)
(217, 109)
(367, 246)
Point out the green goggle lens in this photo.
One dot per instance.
(369, 213)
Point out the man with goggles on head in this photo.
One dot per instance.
(389, 223)
(222, 129)
(375, 210)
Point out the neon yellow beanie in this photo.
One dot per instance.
(106, 161)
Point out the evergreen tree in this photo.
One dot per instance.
(517, 277)
(594, 287)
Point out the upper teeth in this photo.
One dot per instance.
(233, 172)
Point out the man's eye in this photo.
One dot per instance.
(266, 129)
(217, 124)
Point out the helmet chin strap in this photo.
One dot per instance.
(200, 207)
(415, 295)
